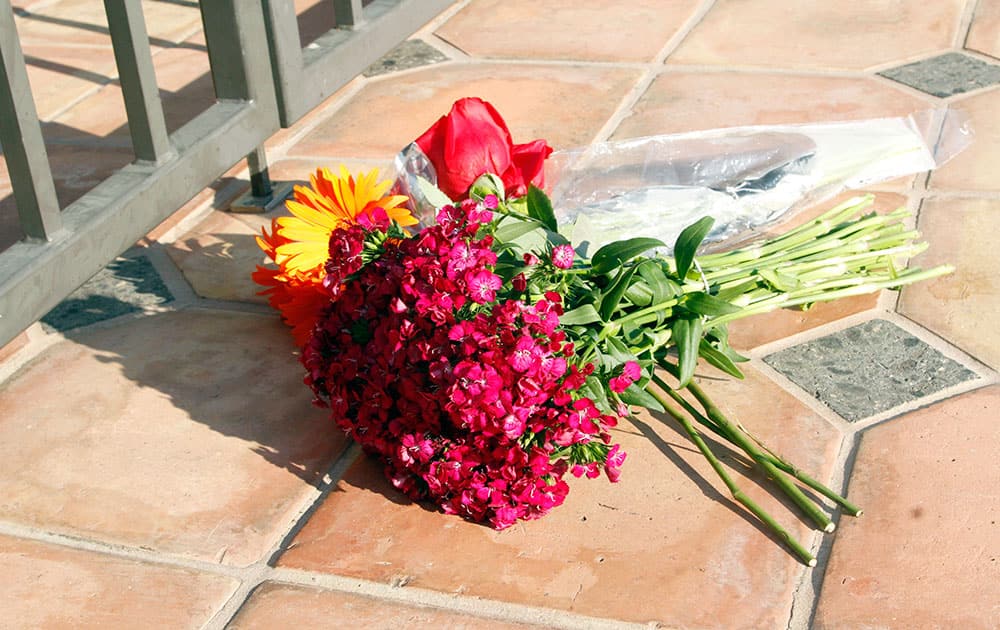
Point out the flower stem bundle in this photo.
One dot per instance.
(483, 358)
(667, 313)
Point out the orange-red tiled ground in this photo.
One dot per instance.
(164, 467)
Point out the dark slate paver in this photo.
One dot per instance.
(410, 54)
(946, 75)
(867, 369)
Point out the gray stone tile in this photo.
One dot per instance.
(412, 53)
(126, 285)
(867, 369)
(946, 75)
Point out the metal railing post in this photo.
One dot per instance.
(260, 181)
(303, 78)
(21, 137)
(146, 122)
(348, 13)
(36, 275)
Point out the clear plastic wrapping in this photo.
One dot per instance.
(744, 177)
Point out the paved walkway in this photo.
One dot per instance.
(161, 465)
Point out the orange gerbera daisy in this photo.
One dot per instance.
(332, 202)
(299, 244)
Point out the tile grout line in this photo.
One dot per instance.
(307, 508)
(651, 71)
(121, 551)
(965, 20)
(482, 608)
(806, 599)
(259, 572)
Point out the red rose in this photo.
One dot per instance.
(472, 140)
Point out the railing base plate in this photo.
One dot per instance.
(248, 203)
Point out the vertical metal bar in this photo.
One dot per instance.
(222, 35)
(286, 54)
(146, 123)
(348, 13)
(21, 137)
(260, 181)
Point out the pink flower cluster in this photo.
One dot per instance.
(471, 400)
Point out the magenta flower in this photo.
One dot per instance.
(613, 464)
(630, 374)
(465, 407)
(562, 256)
(483, 286)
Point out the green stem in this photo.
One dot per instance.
(737, 494)
(824, 293)
(781, 464)
(807, 506)
(792, 238)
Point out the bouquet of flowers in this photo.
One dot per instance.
(482, 358)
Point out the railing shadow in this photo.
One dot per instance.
(236, 374)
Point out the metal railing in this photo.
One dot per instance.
(256, 59)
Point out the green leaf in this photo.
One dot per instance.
(720, 334)
(583, 314)
(718, 359)
(598, 394)
(639, 293)
(635, 395)
(705, 304)
(540, 207)
(618, 350)
(686, 331)
(513, 229)
(614, 254)
(433, 194)
(688, 242)
(487, 184)
(613, 296)
(659, 284)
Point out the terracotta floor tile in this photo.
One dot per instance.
(817, 34)
(59, 74)
(564, 105)
(924, 555)
(984, 34)
(186, 90)
(961, 307)
(974, 168)
(188, 433)
(645, 549)
(100, 116)
(279, 605)
(299, 170)
(754, 331)
(566, 29)
(85, 22)
(685, 101)
(218, 256)
(47, 586)
(185, 81)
